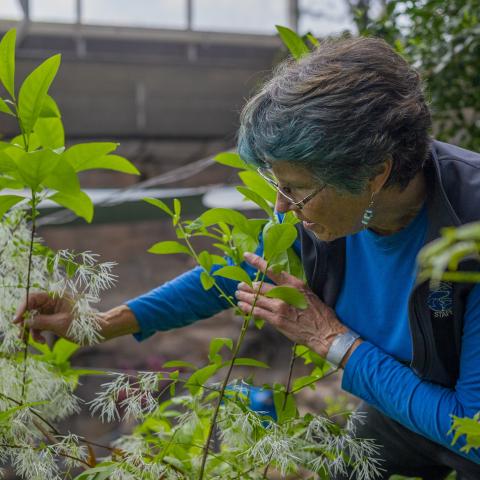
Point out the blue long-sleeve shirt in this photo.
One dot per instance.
(380, 273)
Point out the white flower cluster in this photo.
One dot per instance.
(33, 392)
(344, 453)
(133, 396)
(323, 447)
(15, 238)
(81, 278)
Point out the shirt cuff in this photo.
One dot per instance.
(144, 332)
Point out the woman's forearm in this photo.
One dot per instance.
(117, 322)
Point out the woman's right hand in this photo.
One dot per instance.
(53, 314)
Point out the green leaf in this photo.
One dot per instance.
(289, 295)
(159, 204)
(64, 179)
(102, 471)
(205, 260)
(34, 167)
(206, 280)
(7, 202)
(313, 40)
(179, 364)
(293, 42)
(470, 427)
(233, 273)
(34, 90)
(285, 406)
(256, 183)
(249, 362)
(41, 347)
(216, 344)
(177, 209)
(5, 108)
(50, 108)
(50, 132)
(256, 198)
(79, 372)
(244, 242)
(200, 377)
(231, 160)
(64, 349)
(83, 153)
(33, 142)
(6, 182)
(7, 61)
(277, 238)
(302, 382)
(79, 203)
(169, 246)
(108, 162)
(225, 215)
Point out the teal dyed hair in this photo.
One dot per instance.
(341, 112)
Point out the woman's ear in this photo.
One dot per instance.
(377, 182)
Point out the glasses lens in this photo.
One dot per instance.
(269, 176)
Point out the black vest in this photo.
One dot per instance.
(435, 316)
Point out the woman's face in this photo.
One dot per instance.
(329, 214)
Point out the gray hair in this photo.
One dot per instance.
(341, 112)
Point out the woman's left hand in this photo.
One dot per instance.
(316, 326)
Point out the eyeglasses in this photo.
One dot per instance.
(287, 192)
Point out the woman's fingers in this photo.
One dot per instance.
(53, 322)
(258, 312)
(281, 278)
(36, 301)
(261, 302)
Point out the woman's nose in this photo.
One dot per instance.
(282, 205)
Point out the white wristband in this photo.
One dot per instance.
(340, 346)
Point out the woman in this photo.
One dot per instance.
(343, 135)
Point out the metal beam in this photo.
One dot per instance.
(25, 4)
(189, 14)
(293, 14)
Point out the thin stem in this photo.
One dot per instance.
(246, 323)
(29, 447)
(315, 381)
(290, 374)
(25, 332)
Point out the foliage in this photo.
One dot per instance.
(442, 39)
(207, 428)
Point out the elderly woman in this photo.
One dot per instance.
(343, 137)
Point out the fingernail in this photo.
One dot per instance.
(241, 285)
(236, 293)
(248, 255)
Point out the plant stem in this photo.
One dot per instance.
(195, 256)
(25, 332)
(246, 323)
(290, 374)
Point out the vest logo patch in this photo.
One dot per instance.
(440, 300)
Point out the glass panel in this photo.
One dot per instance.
(53, 11)
(10, 10)
(253, 16)
(138, 13)
(325, 17)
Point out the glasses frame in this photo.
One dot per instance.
(298, 204)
